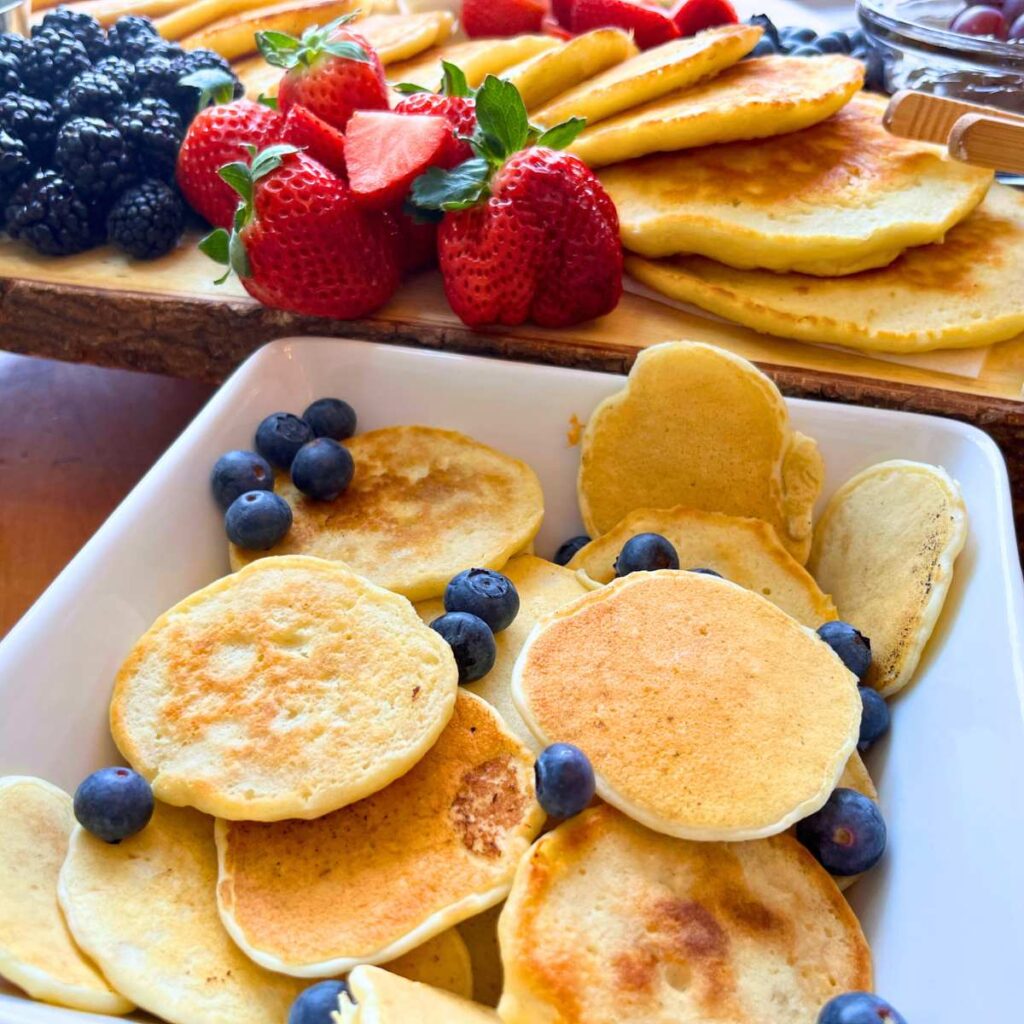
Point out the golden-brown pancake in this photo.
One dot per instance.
(965, 292)
(608, 922)
(37, 952)
(885, 547)
(744, 550)
(698, 426)
(837, 198)
(555, 70)
(754, 99)
(375, 879)
(423, 505)
(146, 911)
(477, 58)
(381, 997)
(400, 37)
(287, 690)
(481, 936)
(706, 712)
(542, 587)
(674, 65)
(442, 962)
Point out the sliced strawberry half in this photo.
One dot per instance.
(323, 142)
(650, 26)
(502, 17)
(693, 16)
(385, 152)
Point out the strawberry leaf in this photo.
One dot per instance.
(278, 48)
(239, 177)
(268, 101)
(562, 135)
(215, 245)
(408, 88)
(503, 127)
(453, 81)
(348, 50)
(214, 85)
(285, 51)
(456, 189)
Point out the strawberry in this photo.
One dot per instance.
(693, 16)
(331, 71)
(417, 241)
(454, 103)
(385, 152)
(650, 26)
(300, 240)
(216, 136)
(527, 233)
(502, 17)
(324, 143)
(554, 26)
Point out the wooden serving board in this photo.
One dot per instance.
(168, 317)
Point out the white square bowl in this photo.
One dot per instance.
(944, 912)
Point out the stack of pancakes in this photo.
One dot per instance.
(330, 803)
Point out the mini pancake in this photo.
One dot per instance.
(478, 58)
(677, 64)
(400, 37)
(609, 922)
(698, 426)
(423, 505)
(481, 936)
(442, 962)
(672, 672)
(965, 293)
(885, 547)
(746, 551)
(555, 70)
(755, 99)
(380, 997)
(837, 198)
(543, 587)
(145, 910)
(287, 690)
(37, 952)
(373, 880)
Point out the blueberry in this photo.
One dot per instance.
(644, 553)
(847, 836)
(471, 641)
(257, 520)
(280, 436)
(486, 594)
(874, 70)
(113, 804)
(766, 23)
(834, 42)
(765, 48)
(236, 472)
(859, 1008)
(707, 572)
(564, 555)
(315, 1004)
(874, 717)
(564, 779)
(331, 417)
(805, 51)
(322, 468)
(795, 35)
(853, 648)
(857, 38)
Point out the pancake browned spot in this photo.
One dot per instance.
(489, 801)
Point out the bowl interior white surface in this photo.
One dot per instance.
(943, 912)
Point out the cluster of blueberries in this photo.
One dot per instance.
(256, 518)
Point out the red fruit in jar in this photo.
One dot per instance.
(323, 142)
(650, 26)
(980, 20)
(385, 151)
(693, 16)
(502, 17)
(216, 136)
(331, 71)
(302, 242)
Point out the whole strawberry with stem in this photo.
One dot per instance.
(331, 70)
(216, 136)
(528, 232)
(454, 102)
(301, 242)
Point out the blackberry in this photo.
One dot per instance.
(158, 77)
(10, 73)
(92, 94)
(84, 27)
(147, 219)
(130, 37)
(154, 132)
(15, 165)
(30, 120)
(54, 57)
(13, 44)
(92, 155)
(121, 72)
(48, 214)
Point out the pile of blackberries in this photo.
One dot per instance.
(90, 127)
